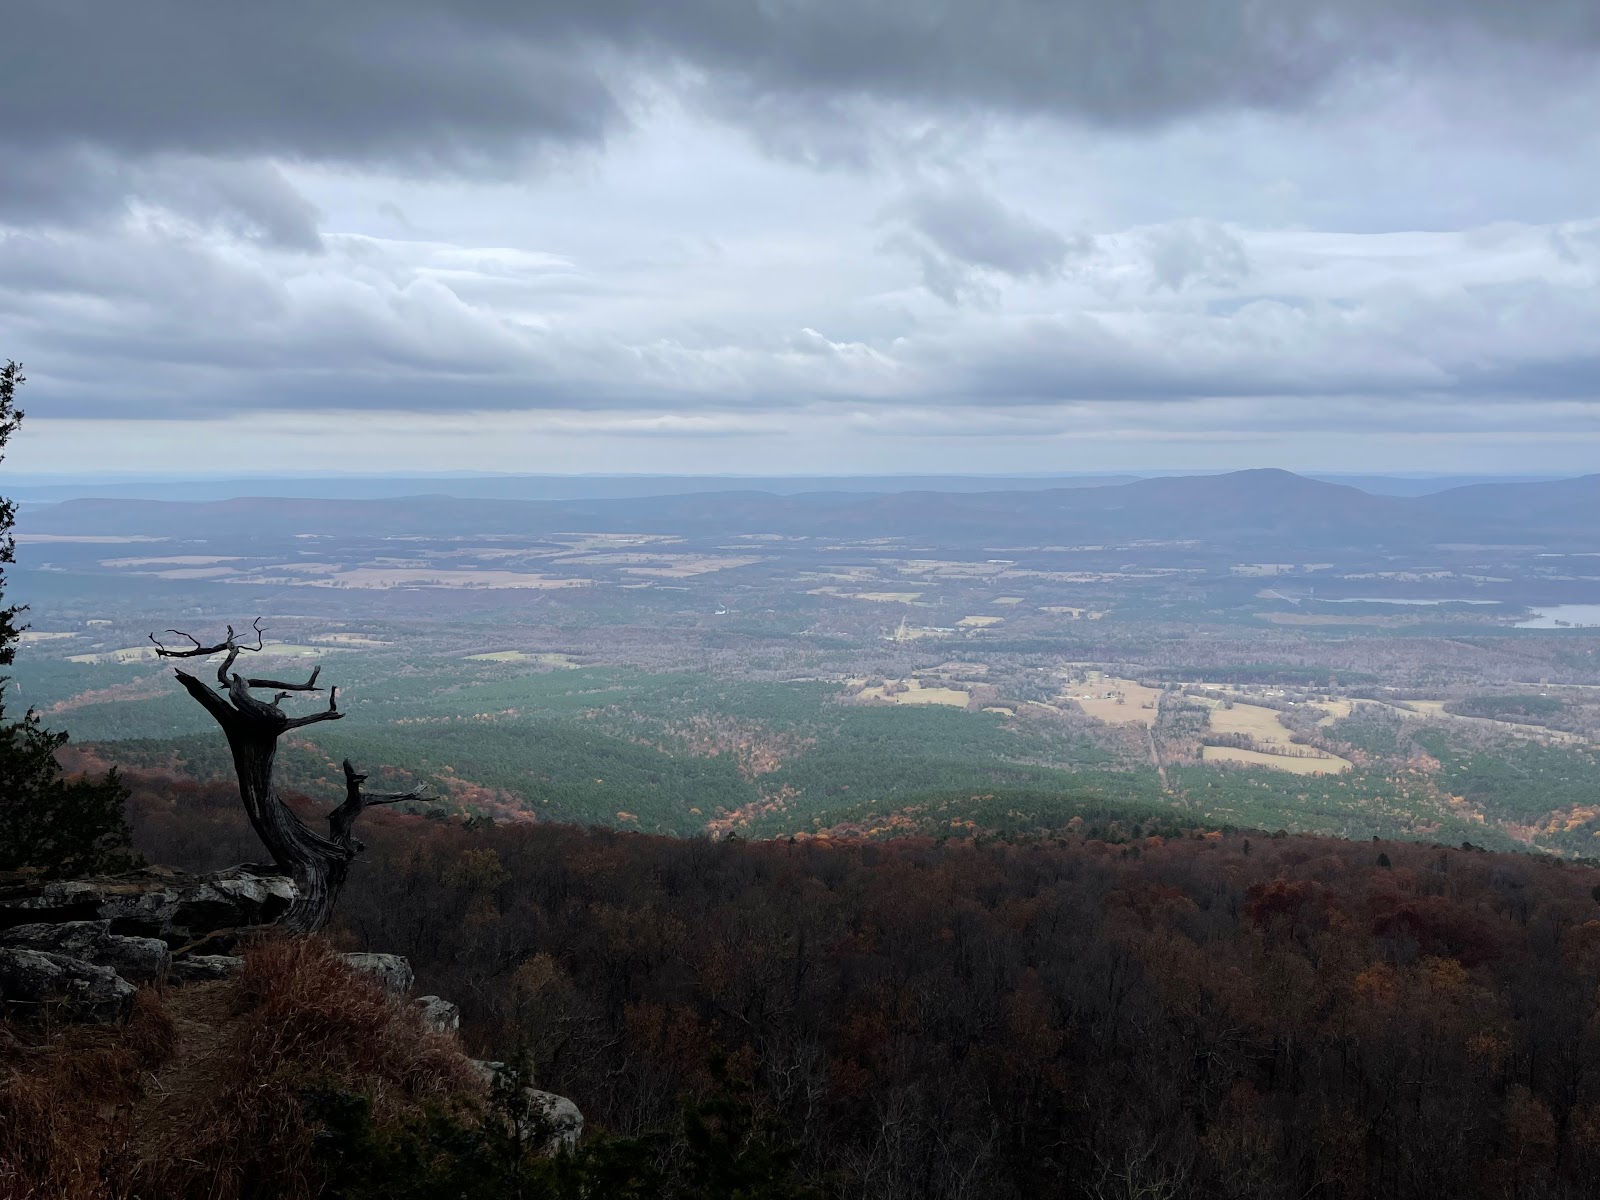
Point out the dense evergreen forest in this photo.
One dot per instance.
(1108, 1010)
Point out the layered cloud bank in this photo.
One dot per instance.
(820, 228)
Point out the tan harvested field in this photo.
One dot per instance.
(686, 565)
(128, 654)
(1265, 729)
(1114, 701)
(608, 541)
(36, 636)
(1253, 720)
(86, 539)
(914, 693)
(174, 560)
(886, 597)
(390, 577)
(1006, 600)
(1278, 762)
(1336, 710)
(350, 639)
(291, 650)
(979, 622)
(196, 573)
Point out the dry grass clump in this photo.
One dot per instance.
(204, 1092)
(301, 1021)
(66, 1102)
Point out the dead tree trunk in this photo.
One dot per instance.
(317, 864)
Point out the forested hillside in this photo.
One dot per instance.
(1100, 1011)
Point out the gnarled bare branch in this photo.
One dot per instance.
(331, 713)
(309, 685)
(197, 650)
(317, 863)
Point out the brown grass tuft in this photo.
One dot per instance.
(66, 1101)
(300, 1019)
(202, 1092)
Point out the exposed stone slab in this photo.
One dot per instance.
(153, 903)
(390, 970)
(537, 1110)
(35, 983)
(137, 959)
(440, 1014)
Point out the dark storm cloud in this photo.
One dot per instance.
(465, 83)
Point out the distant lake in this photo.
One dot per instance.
(1398, 600)
(1583, 615)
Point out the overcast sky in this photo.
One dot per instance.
(802, 235)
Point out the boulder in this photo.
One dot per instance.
(441, 1015)
(390, 970)
(560, 1116)
(197, 968)
(154, 902)
(537, 1111)
(37, 983)
(137, 959)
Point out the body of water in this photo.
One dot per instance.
(1400, 600)
(1557, 616)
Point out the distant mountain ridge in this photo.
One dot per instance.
(1268, 506)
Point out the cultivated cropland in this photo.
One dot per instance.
(1256, 650)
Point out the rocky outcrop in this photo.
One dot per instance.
(75, 948)
(156, 902)
(538, 1112)
(439, 1014)
(136, 959)
(392, 971)
(39, 983)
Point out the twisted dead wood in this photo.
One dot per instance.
(317, 864)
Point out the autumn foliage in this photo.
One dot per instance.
(1127, 1015)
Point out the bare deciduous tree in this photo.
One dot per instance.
(317, 864)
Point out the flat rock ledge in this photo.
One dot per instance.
(155, 902)
(73, 949)
(43, 985)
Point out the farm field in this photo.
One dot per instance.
(715, 682)
(912, 691)
(1115, 701)
(1320, 764)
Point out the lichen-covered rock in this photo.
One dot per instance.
(41, 983)
(197, 968)
(537, 1110)
(555, 1113)
(440, 1014)
(137, 959)
(154, 902)
(390, 970)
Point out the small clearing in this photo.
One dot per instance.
(1325, 765)
(911, 691)
(1114, 701)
